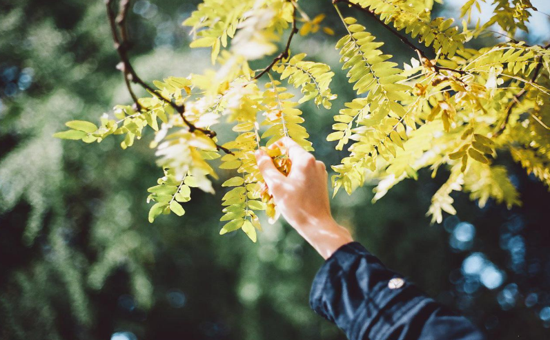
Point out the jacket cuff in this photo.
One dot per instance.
(333, 267)
(355, 290)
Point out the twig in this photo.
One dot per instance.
(121, 40)
(401, 37)
(518, 96)
(285, 52)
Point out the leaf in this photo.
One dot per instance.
(232, 226)
(335, 136)
(256, 205)
(230, 165)
(464, 165)
(233, 182)
(70, 134)
(482, 147)
(203, 42)
(191, 181)
(457, 155)
(483, 140)
(156, 210)
(185, 191)
(249, 230)
(478, 156)
(176, 208)
(163, 189)
(233, 193)
(82, 125)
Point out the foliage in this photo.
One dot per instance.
(468, 103)
(78, 258)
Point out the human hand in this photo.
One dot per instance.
(302, 197)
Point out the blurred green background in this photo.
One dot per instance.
(74, 267)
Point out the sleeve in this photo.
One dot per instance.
(366, 300)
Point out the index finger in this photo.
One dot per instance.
(295, 151)
(268, 170)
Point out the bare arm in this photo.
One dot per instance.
(302, 198)
(353, 288)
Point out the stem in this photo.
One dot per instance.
(308, 74)
(177, 190)
(285, 52)
(401, 37)
(358, 47)
(121, 41)
(274, 88)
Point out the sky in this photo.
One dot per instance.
(539, 23)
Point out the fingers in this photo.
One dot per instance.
(321, 165)
(268, 170)
(295, 151)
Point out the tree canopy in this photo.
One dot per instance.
(455, 110)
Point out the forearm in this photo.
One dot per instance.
(325, 235)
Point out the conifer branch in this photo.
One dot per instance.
(121, 41)
(285, 52)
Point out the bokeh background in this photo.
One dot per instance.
(78, 259)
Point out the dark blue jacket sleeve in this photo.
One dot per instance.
(368, 301)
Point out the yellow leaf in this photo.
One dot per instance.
(249, 230)
(230, 165)
(328, 30)
(232, 226)
(335, 136)
(203, 42)
(176, 208)
(318, 18)
(233, 182)
(478, 156)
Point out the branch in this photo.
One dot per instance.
(122, 45)
(283, 54)
(519, 95)
(401, 37)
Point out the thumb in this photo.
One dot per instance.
(268, 170)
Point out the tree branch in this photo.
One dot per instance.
(518, 96)
(283, 54)
(401, 37)
(122, 45)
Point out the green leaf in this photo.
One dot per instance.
(233, 182)
(177, 208)
(82, 125)
(155, 211)
(70, 134)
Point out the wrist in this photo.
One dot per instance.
(325, 235)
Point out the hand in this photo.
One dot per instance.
(302, 197)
